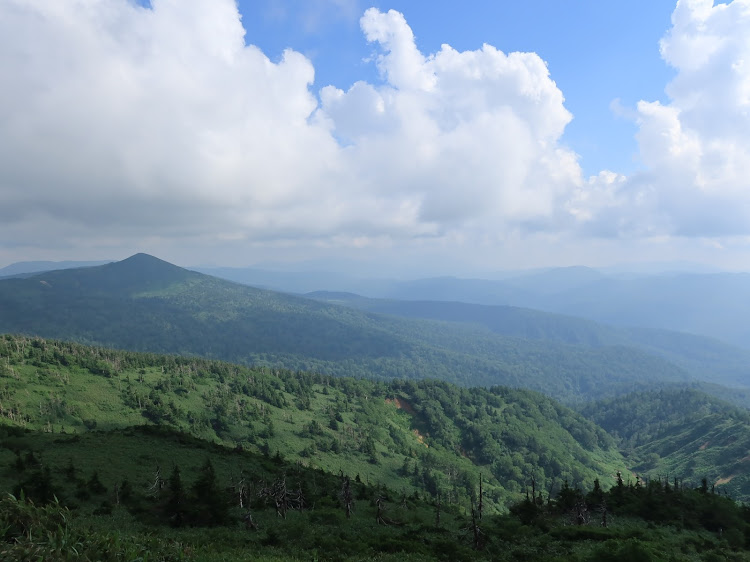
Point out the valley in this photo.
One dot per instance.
(115, 376)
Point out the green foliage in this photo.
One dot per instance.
(51, 533)
(695, 520)
(447, 434)
(314, 520)
(681, 432)
(241, 486)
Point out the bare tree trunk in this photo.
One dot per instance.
(346, 497)
(481, 497)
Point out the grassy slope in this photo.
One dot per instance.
(132, 456)
(683, 433)
(428, 435)
(100, 529)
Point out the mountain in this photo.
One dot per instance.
(714, 305)
(555, 280)
(705, 358)
(297, 282)
(145, 304)
(30, 267)
(681, 433)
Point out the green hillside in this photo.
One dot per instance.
(153, 494)
(134, 456)
(145, 304)
(683, 433)
(424, 435)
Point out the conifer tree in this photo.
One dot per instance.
(208, 504)
(174, 508)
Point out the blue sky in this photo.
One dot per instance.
(597, 52)
(401, 137)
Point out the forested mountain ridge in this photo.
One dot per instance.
(705, 358)
(145, 304)
(713, 304)
(683, 433)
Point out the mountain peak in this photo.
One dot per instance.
(144, 272)
(140, 273)
(141, 257)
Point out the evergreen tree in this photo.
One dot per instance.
(37, 486)
(209, 506)
(174, 508)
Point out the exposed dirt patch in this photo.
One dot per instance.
(420, 437)
(726, 480)
(401, 404)
(703, 447)
(404, 405)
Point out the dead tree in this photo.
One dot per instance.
(297, 499)
(481, 497)
(549, 492)
(278, 493)
(239, 489)
(474, 529)
(380, 503)
(158, 483)
(250, 524)
(438, 505)
(581, 513)
(346, 497)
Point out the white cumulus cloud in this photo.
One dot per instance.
(124, 121)
(470, 139)
(130, 124)
(695, 149)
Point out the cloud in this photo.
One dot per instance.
(160, 122)
(695, 150)
(123, 115)
(142, 124)
(470, 139)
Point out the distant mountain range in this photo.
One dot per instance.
(143, 303)
(25, 268)
(715, 305)
(712, 304)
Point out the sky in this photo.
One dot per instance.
(385, 137)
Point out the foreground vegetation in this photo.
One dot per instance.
(680, 432)
(215, 503)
